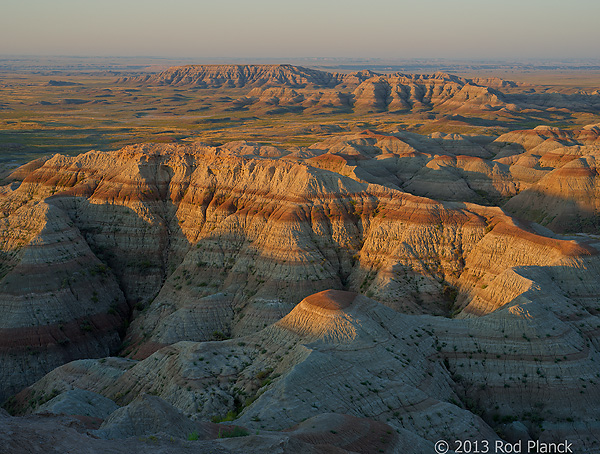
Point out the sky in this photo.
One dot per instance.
(452, 29)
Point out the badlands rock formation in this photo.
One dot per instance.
(339, 353)
(277, 287)
(287, 86)
(339, 434)
(58, 300)
(218, 76)
(546, 175)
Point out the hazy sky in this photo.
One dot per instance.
(489, 29)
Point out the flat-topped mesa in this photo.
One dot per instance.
(282, 74)
(366, 91)
(237, 76)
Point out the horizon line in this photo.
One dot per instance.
(522, 60)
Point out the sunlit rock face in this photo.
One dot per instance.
(338, 352)
(229, 239)
(263, 88)
(256, 278)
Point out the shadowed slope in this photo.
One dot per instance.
(427, 376)
(208, 243)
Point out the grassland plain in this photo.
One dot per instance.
(70, 112)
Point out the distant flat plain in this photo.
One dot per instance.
(70, 106)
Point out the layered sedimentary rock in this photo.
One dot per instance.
(546, 175)
(205, 243)
(338, 352)
(79, 402)
(368, 292)
(336, 344)
(340, 434)
(363, 91)
(216, 76)
(58, 301)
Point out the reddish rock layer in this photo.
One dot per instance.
(332, 300)
(208, 243)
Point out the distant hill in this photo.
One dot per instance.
(362, 91)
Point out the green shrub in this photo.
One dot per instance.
(193, 436)
(233, 432)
